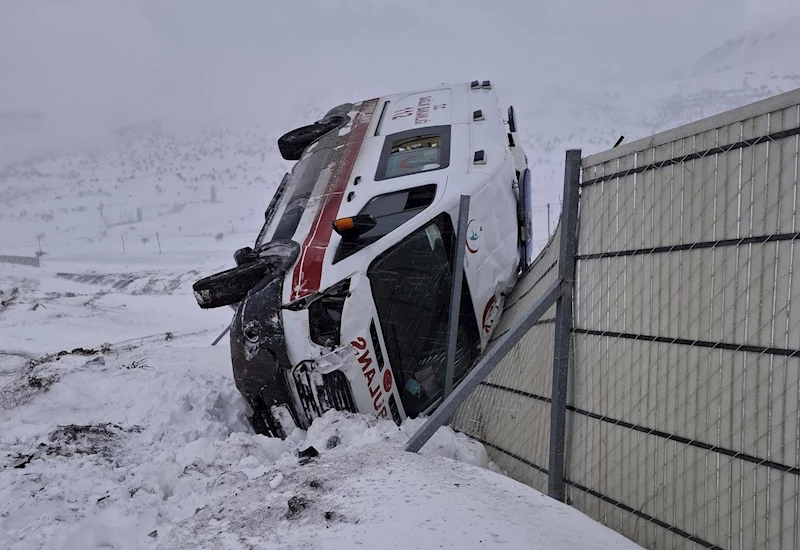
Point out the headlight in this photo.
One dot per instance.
(325, 315)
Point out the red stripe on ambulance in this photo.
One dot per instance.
(307, 274)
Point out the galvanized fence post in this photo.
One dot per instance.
(563, 324)
(455, 294)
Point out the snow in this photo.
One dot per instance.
(146, 446)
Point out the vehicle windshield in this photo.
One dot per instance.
(411, 287)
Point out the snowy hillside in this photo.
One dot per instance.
(149, 182)
(758, 51)
(744, 69)
(87, 197)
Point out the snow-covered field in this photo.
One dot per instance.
(120, 427)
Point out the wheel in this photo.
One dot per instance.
(292, 144)
(229, 286)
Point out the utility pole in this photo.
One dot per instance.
(123, 242)
(548, 220)
(159, 243)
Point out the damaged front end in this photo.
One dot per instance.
(281, 392)
(258, 348)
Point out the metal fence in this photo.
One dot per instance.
(682, 417)
(20, 260)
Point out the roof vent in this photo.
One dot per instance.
(476, 85)
(477, 115)
(486, 85)
(479, 158)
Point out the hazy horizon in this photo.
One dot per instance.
(93, 65)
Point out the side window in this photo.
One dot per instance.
(390, 212)
(411, 288)
(414, 151)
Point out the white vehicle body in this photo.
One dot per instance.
(405, 160)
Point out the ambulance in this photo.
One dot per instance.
(343, 301)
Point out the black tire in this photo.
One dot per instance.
(229, 286)
(292, 144)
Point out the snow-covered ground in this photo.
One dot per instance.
(120, 427)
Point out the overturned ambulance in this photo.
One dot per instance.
(343, 300)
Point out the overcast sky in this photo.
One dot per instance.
(109, 62)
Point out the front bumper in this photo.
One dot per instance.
(264, 375)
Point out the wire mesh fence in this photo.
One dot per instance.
(513, 400)
(684, 396)
(683, 417)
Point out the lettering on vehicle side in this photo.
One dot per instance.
(400, 113)
(423, 110)
(373, 382)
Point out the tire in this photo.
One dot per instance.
(229, 286)
(292, 144)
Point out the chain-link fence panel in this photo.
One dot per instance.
(683, 423)
(510, 410)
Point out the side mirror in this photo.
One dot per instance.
(244, 256)
(354, 226)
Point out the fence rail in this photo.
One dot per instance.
(682, 405)
(20, 260)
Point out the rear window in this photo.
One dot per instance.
(390, 212)
(414, 151)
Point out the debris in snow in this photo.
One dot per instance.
(333, 441)
(307, 454)
(297, 504)
(84, 351)
(137, 364)
(315, 484)
(10, 300)
(276, 481)
(153, 534)
(99, 360)
(41, 382)
(21, 461)
(82, 439)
